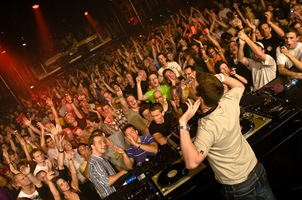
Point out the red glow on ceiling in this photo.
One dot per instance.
(45, 40)
(36, 6)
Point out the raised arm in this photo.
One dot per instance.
(49, 102)
(255, 48)
(241, 57)
(53, 189)
(75, 109)
(123, 102)
(74, 177)
(26, 171)
(61, 153)
(23, 145)
(140, 94)
(29, 125)
(42, 138)
(274, 26)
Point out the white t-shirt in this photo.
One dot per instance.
(283, 60)
(262, 72)
(174, 66)
(220, 138)
(222, 14)
(39, 168)
(34, 195)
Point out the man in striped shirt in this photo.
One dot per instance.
(102, 174)
(140, 147)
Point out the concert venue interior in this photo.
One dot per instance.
(42, 41)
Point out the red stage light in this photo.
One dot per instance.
(36, 6)
(86, 13)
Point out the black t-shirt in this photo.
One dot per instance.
(164, 128)
(270, 45)
(44, 192)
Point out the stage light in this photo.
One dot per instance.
(24, 44)
(31, 87)
(36, 6)
(86, 13)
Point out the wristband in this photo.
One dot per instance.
(61, 151)
(221, 76)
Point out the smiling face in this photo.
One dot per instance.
(69, 118)
(99, 145)
(131, 133)
(132, 102)
(50, 143)
(224, 69)
(83, 150)
(169, 75)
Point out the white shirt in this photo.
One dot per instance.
(222, 14)
(174, 66)
(262, 72)
(283, 60)
(34, 195)
(39, 168)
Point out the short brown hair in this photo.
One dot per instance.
(156, 106)
(209, 88)
(94, 134)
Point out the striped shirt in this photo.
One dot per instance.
(99, 170)
(138, 154)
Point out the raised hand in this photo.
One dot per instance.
(192, 109)
(199, 42)
(26, 122)
(53, 130)
(118, 149)
(49, 102)
(139, 79)
(41, 126)
(119, 93)
(50, 175)
(25, 169)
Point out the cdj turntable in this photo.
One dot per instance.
(174, 176)
(250, 123)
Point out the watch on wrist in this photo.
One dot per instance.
(186, 127)
(139, 145)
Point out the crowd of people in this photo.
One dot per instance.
(88, 128)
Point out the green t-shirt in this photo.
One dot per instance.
(165, 90)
